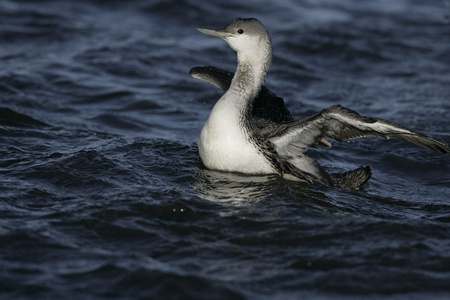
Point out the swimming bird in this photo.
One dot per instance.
(238, 138)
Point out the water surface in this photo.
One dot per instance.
(103, 194)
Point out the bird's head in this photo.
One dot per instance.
(243, 35)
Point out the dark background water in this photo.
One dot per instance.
(103, 194)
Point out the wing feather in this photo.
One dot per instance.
(343, 124)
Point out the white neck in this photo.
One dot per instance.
(250, 74)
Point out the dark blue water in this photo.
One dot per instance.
(103, 194)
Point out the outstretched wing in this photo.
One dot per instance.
(218, 77)
(341, 124)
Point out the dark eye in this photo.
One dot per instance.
(240, 31)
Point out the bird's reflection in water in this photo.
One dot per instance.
(234, 187)
(237, 190)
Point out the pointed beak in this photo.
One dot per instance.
(216, 33)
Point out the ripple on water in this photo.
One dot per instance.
(101, 181)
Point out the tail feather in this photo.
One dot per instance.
(352, 180)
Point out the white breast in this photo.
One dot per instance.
(224, 144)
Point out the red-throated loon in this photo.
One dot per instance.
(250, 131)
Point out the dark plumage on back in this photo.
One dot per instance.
(266, 105)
